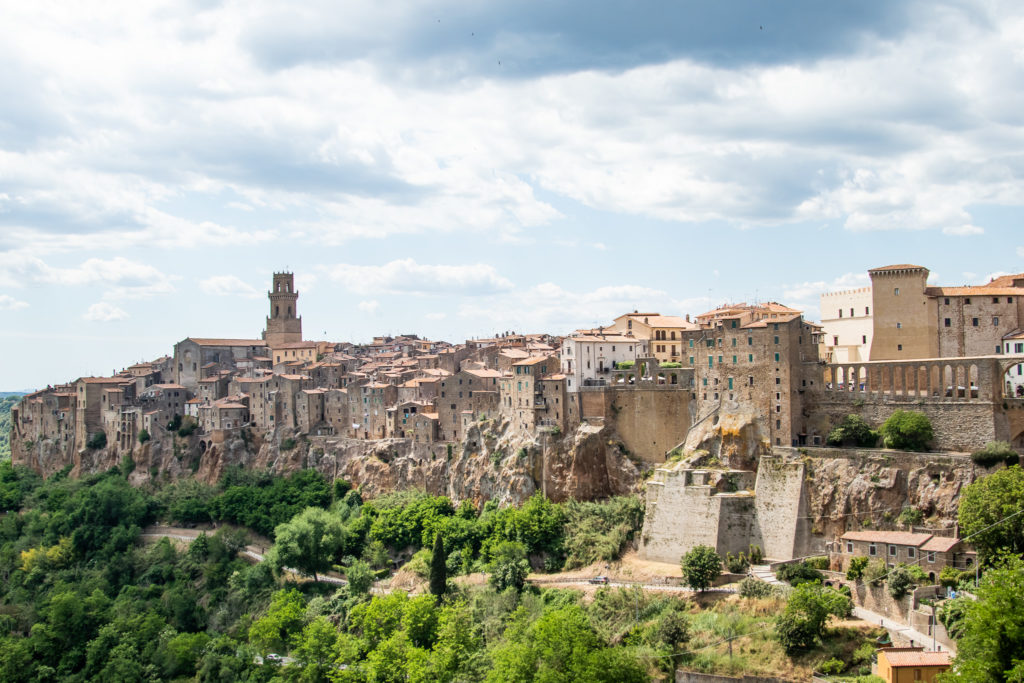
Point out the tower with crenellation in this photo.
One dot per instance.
(284, 326)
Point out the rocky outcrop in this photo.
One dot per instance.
(491, 463)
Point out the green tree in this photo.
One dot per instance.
(996, 452)
(856, 568)
(458, 643)
(991, 642)
(360, 577)
(852, 431)
(907, 430)
(983, 504)
(438, 568)
(509, 567)
(314, 649)
(802, 623)
(308, 542)
(701, 565)
(285, 618)
(144, 436)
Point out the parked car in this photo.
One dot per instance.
(599, 579)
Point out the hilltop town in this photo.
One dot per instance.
(729, 423)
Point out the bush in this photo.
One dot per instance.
(900, 581)
(738, 564)
(701, 566)
(874, 572)
(855, 571)
(864, 653)
(910, 516)
(852, 431)
(287, 444)
(819, 563)
(755, 554)
(144, 436)
(626, 364)
(995, 452)
(796, 574)
(188, 426)
(831, 667)
(756, 588)
(949, 577)
(175, 424)
(907, 430)
(97, 441)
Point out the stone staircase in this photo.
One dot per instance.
(765, 573)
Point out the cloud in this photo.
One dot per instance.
(806, 296)
(405, 276)
(228, 285)
(369, 307)
(9, 303)
(436, 316)
(105, 312)
(122, 278)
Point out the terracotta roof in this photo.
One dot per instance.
(534, 360)
(893, 537)
(552, 378)
(941, 544)
(430, 416)
(484, 373)
(986, 290)
(666, 321)
(209, 341)
(901, 658)
(1017, 334)
(1005, 280)
(614, 338)
(293, 377)
(230, 405)
(898, 266)
(297, 345)
(105, 380)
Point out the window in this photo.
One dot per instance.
(778, 424)
(995, 321)
(899, 347)
(974, 322)
(867, 310)
(946, 322)
(946, 301)
(864, 339)
(750, 358)
(892, 551)
(734, 322)
(1018, 347)
(691, 360)
(849, 547)
(730, 384)
(967, 300)
(719, 360)
(851, 312)
(931, 557)
(1009, 299)
(911, 551)
(750, 381)
(899, 326)
(872, 550)
(734, 360)
(750, 341)
(776, 357)
(995, 299)
(896, 291)
(691, 343)
(778, 381)
(776, 339)
(734, 341)
(840, 313)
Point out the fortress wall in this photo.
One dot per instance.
(651, 422)
(781, 508)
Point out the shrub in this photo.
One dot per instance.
(864, 653)
(831, 667)
(144, 436)
(738, 564)
(995, 452)
(855, 570)
(626, 364)
(900, 581)
(910, 516)
(755, 554)
(175, 424)
(756, 588)
(819, 563)
(287, 444)
(852, 431)
(949, 577)
(907, 430)
(701, 565)
(671, 365)
(97, 441)
(874, 572)
(796, 574)
(188, 426)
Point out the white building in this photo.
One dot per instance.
(847, 321)
(1013, 345)
(588, 359)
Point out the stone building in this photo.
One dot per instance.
(664, 333)
(588, 359)
(471, 391)
(931, 553)
(193, 353)
(522, 393)
(284, 325)
(847, 325)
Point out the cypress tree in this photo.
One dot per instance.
(438, 568)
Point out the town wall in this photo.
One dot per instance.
(650, 422)
(782, 524)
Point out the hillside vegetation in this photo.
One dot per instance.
(6, 403)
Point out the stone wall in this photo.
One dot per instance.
(697, 677)
(782, 525)
(650, 422)
(962, 426)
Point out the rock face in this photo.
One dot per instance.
(491, 463)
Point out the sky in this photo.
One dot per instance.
(457, 169)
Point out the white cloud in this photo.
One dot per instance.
(806, 296)
(9, 303)
(436, 316)
(229, 285)
(369, 307)
(105, 312)
(123, 278)
(405, 276)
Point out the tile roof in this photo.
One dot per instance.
(893, 537)
(941, 544)
(986, 290)
(210, 341)
(1005, 280)
(901, 658)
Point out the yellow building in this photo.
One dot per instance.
(664, 332)
(907, 665)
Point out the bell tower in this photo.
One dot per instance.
(284, 326)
